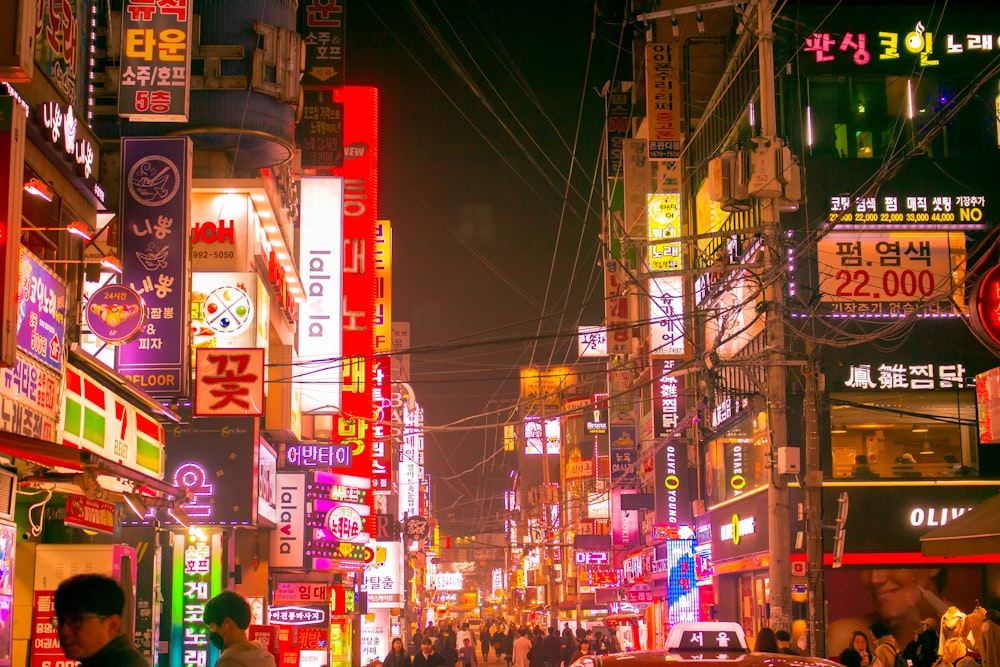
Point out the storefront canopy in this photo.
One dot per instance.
(57, 455)
(975, 533)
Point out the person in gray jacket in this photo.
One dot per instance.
(227, 616)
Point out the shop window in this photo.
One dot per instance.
(870, 443)
(863, 140)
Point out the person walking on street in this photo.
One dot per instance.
(885, 645)
(582, 650)
(227, 617)
(427, 656)
(521, 648)
(88, 619)
(467, 654)
(398, 657)
(484, 641)
(552, 648)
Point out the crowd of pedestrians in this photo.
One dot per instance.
(513, 645)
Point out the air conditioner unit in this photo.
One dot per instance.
(765, 162)
(727, 176)
(8, 494)
(17, 40)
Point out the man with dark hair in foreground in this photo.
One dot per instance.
(88, 618)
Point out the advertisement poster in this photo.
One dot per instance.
(901, 597)
(41, 312)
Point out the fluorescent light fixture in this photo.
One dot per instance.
(111, 264)
(77, 228)
(38, 188)
(809, 126)
(179, 515)
(909, 99)
(264, 213)
(135, 503)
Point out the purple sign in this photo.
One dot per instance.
(155, 245)
(41, 312)
(115, 313)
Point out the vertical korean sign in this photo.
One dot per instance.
(155, 61)
(671, 491)
(360, 172)
(154, 238)
(322, 26)
(663, 101)
(197, 577)
(382, 390)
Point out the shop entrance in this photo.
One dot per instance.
(755, 590)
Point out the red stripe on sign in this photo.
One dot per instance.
(148, 427)
(72, 381)
(93, 392)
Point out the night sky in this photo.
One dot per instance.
(479, 109)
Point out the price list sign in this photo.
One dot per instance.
(155, 79)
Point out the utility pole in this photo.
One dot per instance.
(779, 542)
(813, 510)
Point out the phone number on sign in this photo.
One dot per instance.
(906, 283)
(214, 254)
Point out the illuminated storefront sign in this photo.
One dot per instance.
(534, 443)
(663, 101)
(321, 261)
(591, 557)
(664, 254)
(382, 362)
(890, 375)
(30, 399)
(893, 268)
(223, 310)
(666, 315)
(98, 420)
(197, 577)
(596, 418)
(115, 313)
(592, 341)
(322, 23)
(384, 576)
(267, 472)
(155, 247)
(988, 406)
(214, 459)
(738, 528)
(411, 457)
(604, 578)
(931, 517)
(919, 43)
(220, 231)
(155, 61)
(616, 309)
(319, 134)
(682, 594)
(288, 538)
(229, 382)
(317, 456)
(984, 308)
(41, 312)
(291, 615)
(908, 209)
(296, 593)
(448, 581)
(359, 373)
(60, 125)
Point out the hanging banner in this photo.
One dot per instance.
(41, 312)
(154, 84)
(155, 251)
(663, 101)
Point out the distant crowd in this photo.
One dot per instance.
(524, 646)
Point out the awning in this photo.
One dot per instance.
(975, 533)
(57, 455)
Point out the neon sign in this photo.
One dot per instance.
(197, 577)
(917, 41)
(193, 478)
(738, 528)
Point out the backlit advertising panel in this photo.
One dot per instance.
(322, 24)
(663, 100)
(155, 61)
(214, 459)
(41, 312)
(154, 252)
(321, 258)
(382, 388)
(12, 140)
(288, 538)
(682, 592)
(360, 208)
(197, 578)
(666, 315)
(537, 444)
(220, 231)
